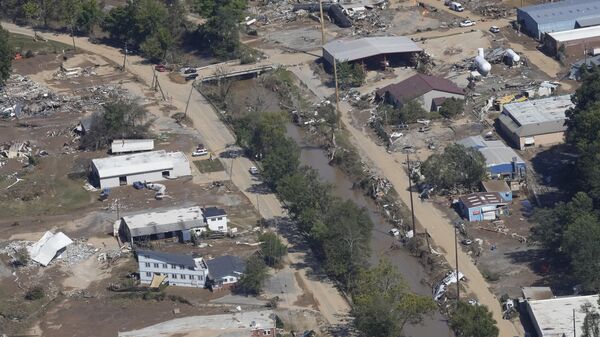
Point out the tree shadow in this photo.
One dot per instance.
(555, 167)
(260, 188)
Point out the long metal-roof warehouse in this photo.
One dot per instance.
(559, 16)
(379, 48)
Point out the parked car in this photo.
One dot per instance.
(394, 232)
(138, 185)
(160, 67)
(467, 242)
(467, 23)
(253, 171)
(190, 71)
(191, 77)
(199, 153)
(494, 29)
(455, 6)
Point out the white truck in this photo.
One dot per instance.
(455, 6)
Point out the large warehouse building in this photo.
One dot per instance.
(560, 316)
(372, 51)
(537, 122)
(576, 42)
(146, 166)
(558, 16)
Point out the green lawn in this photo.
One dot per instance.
(23, 43)
(207, 165)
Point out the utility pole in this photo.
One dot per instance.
(574, 325)
(125, 56)
(337, 94)
(412, 208)
(456, 259)
(322, 23)
(187, 104)
(231, 172)
(73, 36)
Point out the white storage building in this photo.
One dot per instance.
(131, 145)
(146, 166)
(556, 317)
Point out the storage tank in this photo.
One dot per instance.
(483, 66)
(512, 56)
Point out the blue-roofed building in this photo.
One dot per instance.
(559, 16)
(500, 159)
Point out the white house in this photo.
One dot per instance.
(225, 271)
(146, 166)
(179, 269)
(131, 145)
(215, 218)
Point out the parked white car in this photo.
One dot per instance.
(467, 23)
(253, 171)
(199, 153)
(494, 29)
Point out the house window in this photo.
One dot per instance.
(191, 277)
(173, 266)
(148, 264)
(201, 278)
(156, 265)
(148, 274)
(173, 276)
(220, 218)
(220, 227)
(181, 266)
(164, 265)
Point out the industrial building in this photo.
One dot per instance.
(429, 91)
(372, 51)
(560, 316)
(179, 222)
(537, 20)
(539, 122)
(482, 206)
(576, 42)
(501, 160)
(499, 186)
(131, 145)
(146, 167)
(176, 269)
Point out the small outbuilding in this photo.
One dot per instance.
(146, 167)
(131, 145)
(429, 91)
(482, 206)
(539, 122)
(373, 51)
(225, 271)
(499, 186)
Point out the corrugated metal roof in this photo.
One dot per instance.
(576, 34)
(351, 50)
(494, 151)
(495, 186)
(164, 221)
(563, 10)
(417, 86)
(588, 22)
(482, 199)
(125, 165)
(534, 117)
(131, 145)
(44, 250)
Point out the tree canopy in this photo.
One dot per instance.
(452, 107)
(6, 56)
(272, 249)
(383, 303)
(350, 75)
(473, 321)
(254, 277)
(456, 167)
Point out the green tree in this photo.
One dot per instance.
(254, 277)
(89, 17)
(350, 75)
(581, 245)
(280, 162)
(452, 107)
(120, 119)
(383, 303)
(473, 321)
(457, 166)
(411, 111)
(221, 31)
(272, 249)
(6, 56)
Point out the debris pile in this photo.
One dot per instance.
(77, 252)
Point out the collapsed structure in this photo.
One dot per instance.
(372, 51)
(145, 167)
(535, 122)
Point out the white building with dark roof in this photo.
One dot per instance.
(538, 122)
(179, 269)
(215, 218)
(145, 167)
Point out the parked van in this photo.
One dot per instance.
(456, 7)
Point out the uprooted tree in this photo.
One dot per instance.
(120, 120)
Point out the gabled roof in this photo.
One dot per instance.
(225, 265)
(177, 259)
(563, 10)
(164, 221)
(417, 86)
(211, 212)
(494, 151)
(351, 50)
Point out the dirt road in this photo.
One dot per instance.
(217, 137)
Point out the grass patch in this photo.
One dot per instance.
(208, 166)
(23, 43)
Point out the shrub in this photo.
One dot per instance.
(35, 293)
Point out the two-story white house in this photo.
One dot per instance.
(181, 270)
(215, 218)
